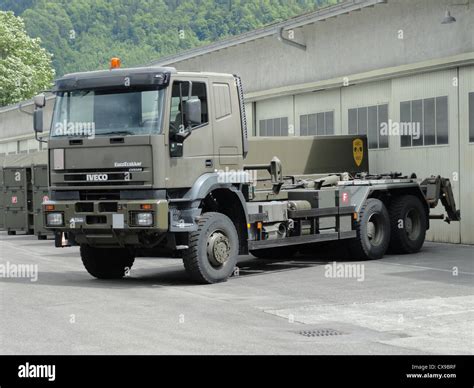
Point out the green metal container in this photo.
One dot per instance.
(40, 194)
(18, 200)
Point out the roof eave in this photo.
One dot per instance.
(296, 22)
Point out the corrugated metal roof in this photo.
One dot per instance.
(272, 29)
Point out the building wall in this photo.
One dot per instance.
(343, 47)
(425, 160)
(454, 160)
(398, 33)
(16, 128)
(466, 152)
(281, 107)
(324, 101)
(348, 44)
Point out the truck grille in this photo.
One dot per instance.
(102, 177)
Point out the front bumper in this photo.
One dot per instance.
(107, 215)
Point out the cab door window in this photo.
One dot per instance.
(180, 94)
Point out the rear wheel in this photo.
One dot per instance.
(408, 224)
(373, 231)
(104, 263)
(213, 249)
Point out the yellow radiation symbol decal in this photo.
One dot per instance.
(358, 151)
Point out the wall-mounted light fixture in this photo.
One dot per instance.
(448, 18)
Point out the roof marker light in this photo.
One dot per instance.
(115, 63)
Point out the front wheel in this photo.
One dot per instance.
(213, 249)
(373, 231)
(104, 263)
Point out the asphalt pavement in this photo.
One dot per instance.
(311, 304)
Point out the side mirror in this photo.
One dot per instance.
(192, 111)
(39, 100)
(38, 120)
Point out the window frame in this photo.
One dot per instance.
(316, 114)
(357, 109)
(435, 116)
(272, 120)
(470, 117)
(206, 86)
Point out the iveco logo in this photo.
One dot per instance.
(96, 177)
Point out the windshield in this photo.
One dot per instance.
(107, 112)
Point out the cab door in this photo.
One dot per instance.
(197, 149)
(227, 127)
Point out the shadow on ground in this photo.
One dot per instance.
(173, 275)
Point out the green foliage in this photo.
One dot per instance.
(25, 67)
(84, 34)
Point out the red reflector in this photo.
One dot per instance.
(345, 198)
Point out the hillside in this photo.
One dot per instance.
(84, 34)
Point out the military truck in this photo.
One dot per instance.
(151, 159)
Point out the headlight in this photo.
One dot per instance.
(144, 219)
(54, 219)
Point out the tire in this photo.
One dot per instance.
(213, 249)
(11, 232)
(284, 252)
(408, 224)
(373, 231)
(103, 263)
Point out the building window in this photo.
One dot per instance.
(274, 127)
(317, 124)
(471, 117)
(424, 122)
(368, 121)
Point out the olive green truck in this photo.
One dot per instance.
(151, 160)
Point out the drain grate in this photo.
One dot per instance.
(320, 333)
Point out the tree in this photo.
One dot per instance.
(84, 34)
(17, 6)
(25, 67)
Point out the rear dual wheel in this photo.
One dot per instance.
(401, 229)
(408, 224)
(373, 231)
